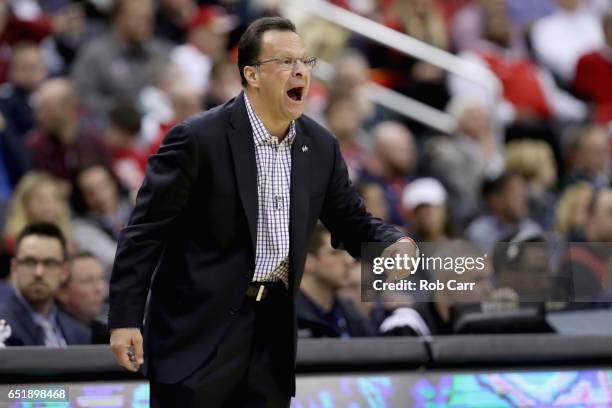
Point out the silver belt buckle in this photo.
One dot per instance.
(260, 293)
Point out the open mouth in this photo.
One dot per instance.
(296, 93)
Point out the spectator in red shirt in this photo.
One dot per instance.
(13, 30)
(60, 143)
(593, 78)
(128, 161)
(65, 25)
(529, 93)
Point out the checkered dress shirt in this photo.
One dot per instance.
(273, 192)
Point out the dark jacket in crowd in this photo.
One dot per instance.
(16, 109)
(24, 332)
(343, 320)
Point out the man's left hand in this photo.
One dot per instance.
(404, 246)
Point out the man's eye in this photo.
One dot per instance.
(287, 61)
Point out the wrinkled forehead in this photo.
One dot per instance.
(276, 43)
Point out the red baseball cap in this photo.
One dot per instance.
(213, 17)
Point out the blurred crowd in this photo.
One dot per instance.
(89, 88)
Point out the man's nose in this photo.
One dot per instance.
(39, 270)
(299, 68)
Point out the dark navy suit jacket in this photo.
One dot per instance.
(24, 332)
(194, 224)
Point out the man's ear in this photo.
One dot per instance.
(311, 264)
(13, 272)
(252, 76)
(13, 266)
(65, 274)
(62, 295)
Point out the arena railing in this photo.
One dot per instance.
(81, 363)
(407, 45)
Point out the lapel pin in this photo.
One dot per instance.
(304, 149)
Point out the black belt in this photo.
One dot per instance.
(262, 290)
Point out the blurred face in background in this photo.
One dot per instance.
(86, 289)
(27, 70)
(351, 72)
(45, 203)
(395, 148)
(330, 266)
(429, 221)
(343, 119)
(134, 21)
(593, 152)
(510, 204)
(38, 269)
(600, 221)
(56, 106)
(99, 189)
(474, 121)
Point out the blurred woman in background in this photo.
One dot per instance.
(38, 197)
(102, 208)
(534, 160)
(572, 210)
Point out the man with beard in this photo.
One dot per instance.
(38, 269)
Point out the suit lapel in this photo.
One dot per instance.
(241, 143)
(300, 196)
(24, 319)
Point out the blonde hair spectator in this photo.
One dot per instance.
(533, 160)
(38, 197)
(572, 208)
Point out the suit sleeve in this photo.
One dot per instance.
(166, 189)
(345, 215)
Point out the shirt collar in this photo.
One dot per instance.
(261, 135)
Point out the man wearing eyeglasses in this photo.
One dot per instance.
(37, 271)
(223, 218)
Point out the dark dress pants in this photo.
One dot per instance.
(252, 367)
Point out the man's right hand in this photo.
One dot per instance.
(127, 347)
